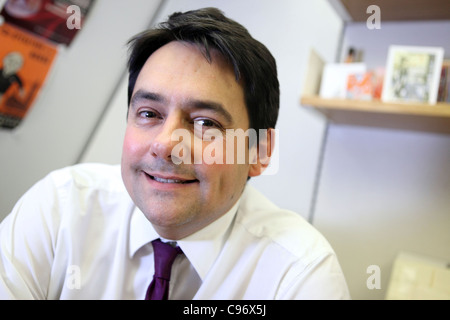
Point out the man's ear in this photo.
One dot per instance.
(261, 160)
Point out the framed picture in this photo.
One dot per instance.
(412, 74)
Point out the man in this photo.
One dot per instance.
(89, 231)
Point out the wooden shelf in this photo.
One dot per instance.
(407, 116)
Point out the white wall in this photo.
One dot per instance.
(73, 99)
(384, 191)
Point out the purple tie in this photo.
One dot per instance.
(165, 255)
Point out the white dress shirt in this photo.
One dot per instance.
(76, 234)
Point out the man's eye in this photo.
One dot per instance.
(207, 123)
(147, 114)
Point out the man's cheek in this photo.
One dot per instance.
(132, 144)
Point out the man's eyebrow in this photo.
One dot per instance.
(216, 107)
(142, 95)
(210, 105)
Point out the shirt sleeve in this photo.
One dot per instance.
(322, 279)
(27, 238)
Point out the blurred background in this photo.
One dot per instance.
(374, 192)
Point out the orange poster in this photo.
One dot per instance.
(25, 61)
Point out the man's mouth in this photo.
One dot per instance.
(171, 180)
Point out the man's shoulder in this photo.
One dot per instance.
(288, 229)
(89, 175)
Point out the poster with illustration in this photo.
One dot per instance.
(56, 20)
(25, 61)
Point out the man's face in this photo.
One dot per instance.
(178, 89)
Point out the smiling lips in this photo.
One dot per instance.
(170, 179)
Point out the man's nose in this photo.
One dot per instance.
(165, 141)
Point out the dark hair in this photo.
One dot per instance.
(208, 28)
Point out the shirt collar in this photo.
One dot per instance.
(201, 248)
(141, 231)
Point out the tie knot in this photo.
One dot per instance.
(165, 255)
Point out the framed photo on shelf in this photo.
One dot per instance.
(412, 74)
